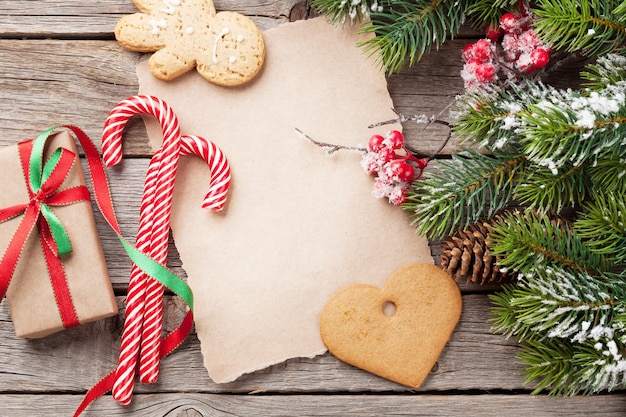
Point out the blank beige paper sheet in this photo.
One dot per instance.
(299, 225)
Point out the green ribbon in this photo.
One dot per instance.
(39, 173)
(159, 272)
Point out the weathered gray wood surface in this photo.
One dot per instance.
(59, 64)
(211, 405)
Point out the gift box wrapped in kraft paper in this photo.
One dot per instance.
(50, 286)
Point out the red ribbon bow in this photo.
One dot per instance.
(43, 187)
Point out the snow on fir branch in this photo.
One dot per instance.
(570, 127)
(572, 326)
(546, 150)
(557, 303)
(542, 150)
(347, 11)
(570, 369)
(469, 187)
(608, 69)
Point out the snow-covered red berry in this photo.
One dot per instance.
(402, 171)
(371, 163)
(525, 63)
(540, 57)
(482, 50)
(468, 52)
(485, 73)
(386, 154)
(478, 51)
(528, 40)
(375, 143)
(473, 62)
(398, 196)
(395, 138)
(509, 22)
(494, 32)
(510, 45)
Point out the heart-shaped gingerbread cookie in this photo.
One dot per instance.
(401, 345)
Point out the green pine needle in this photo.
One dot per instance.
(341, 11)
(470, 187)
(570, 369)
(548, 189)
(491, 119)
(554, 302)
(522, 241)
(406, 30)
(572, 328)
(603, 224)
(594, 27)
(548, 364)
(608, 69)
(572, 127)
(482, 119)
(609, 175)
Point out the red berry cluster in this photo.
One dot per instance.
(394, 166)
(522, 50)
(480, 64)
(521, 45)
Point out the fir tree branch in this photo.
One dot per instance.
(545, 188)
(406, 30)
(593, 27)
(603, 224)
(608, 69)
(522, 241)
(609, 175)
(572, 328)
(570, 369)
(342, 11)
(491, 118)
(573, 127)
(548, 364)
(469, 187)
(554, 303)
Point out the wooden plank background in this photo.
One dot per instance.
(60, 64)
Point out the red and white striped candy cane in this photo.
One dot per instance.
(218, 165)
(153, 229)
(141, 338)
(215, 200)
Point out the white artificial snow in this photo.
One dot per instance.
(613, 350)
(586, 119)
(550, 164)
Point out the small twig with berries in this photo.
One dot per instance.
(388, 157)
(419, 119)
(330, 148)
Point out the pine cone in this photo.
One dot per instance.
(466, 254)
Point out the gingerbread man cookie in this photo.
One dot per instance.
(226, 48)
